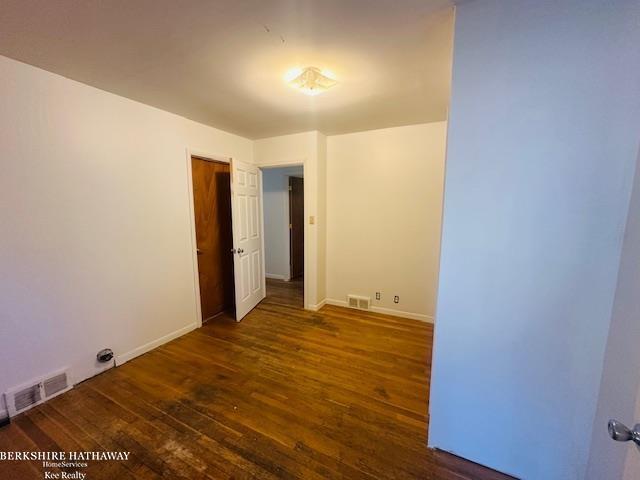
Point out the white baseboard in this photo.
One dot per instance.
(275, 276)
(125, 357)
(399, 313)
(336, 303)
(317, 306)
(387, 311)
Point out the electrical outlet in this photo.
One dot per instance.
(377, 295)
(396, 299)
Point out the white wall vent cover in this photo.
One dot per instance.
(359, 302)
(25, 396)
(55, 384)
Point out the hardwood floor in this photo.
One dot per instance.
(284, 394)
(285, 293)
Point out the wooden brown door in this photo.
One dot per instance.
(296, 225)
(212, 205)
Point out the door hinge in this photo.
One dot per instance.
(290, 188)
(290, 226)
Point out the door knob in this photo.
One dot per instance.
(198, 251)
(621, 433)
(233, 251)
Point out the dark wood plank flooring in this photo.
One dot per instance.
(284, 394)
(285, 293)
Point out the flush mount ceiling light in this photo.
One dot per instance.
(310, 80)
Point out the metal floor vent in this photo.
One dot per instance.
(22, 398)
(359, 302)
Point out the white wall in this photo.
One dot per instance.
(619, 391)
(307, 149)
(542, 142)
(95, 249)
(321, 225)
(275, 183)
(384, 208)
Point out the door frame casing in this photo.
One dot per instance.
(211, 157)
(289, 227)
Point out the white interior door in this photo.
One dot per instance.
(247, 237)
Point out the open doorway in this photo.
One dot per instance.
(214, 236)
(283, 195)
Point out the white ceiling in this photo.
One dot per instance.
(222, 62)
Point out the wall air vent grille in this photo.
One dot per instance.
(27, 397)
(55, 384)
(358, 301)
